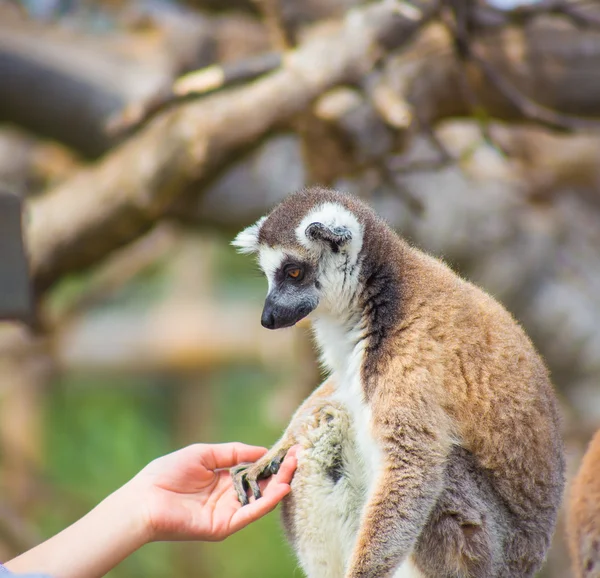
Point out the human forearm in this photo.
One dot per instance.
(91, 546)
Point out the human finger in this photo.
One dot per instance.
(215, 456)
(288, 466)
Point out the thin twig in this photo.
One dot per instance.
(461, 35)
(527, 107)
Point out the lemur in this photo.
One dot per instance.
(451, 462)
(583, 514)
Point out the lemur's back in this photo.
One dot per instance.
(492, 383)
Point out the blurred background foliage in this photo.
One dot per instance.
(471, 126)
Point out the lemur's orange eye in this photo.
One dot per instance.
(294, 273)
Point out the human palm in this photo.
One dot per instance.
(189, 494)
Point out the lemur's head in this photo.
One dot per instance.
(309, 248)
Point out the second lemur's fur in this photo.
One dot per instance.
(583, 514)
(455, 454)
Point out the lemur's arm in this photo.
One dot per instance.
(412, 437)
(247, 475)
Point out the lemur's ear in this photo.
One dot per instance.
(335, 237)
(246, 241)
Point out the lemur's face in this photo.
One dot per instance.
(309, 263)
(293, 287)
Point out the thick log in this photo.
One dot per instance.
(70, 95)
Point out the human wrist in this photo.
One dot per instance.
(129, 504)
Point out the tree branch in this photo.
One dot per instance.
(468, 50)
(115, 201)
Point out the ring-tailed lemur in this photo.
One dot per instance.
(453, 465)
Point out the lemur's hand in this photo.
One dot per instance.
(246, 476)
(312, 424)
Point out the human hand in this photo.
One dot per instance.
(187, 496)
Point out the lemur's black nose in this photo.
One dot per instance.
(277, 315)
(268, 318)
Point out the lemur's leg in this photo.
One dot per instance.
(322, 513)
(467, 531)
(394, 517)
(464, 537)
(246, 476)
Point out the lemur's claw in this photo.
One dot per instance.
(275, 465)
(246, 476)
(255, 489)
(240, 483)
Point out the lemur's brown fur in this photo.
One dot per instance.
(450, 378)
(583, 514)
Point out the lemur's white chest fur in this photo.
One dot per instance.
(342, 352)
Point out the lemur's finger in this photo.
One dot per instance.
(240, 486)
(258, 508)
(254, 487)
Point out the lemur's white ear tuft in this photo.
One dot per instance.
(246, 241)
(335, 237)
(331, 226)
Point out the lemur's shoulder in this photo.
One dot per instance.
(477, 353)
(432, 291)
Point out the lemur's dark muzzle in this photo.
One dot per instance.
(277, 315)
